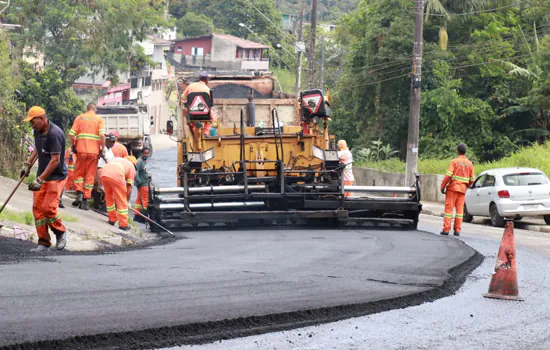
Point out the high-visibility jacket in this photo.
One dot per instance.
(459, 176)
(195, 87)
(87, 129)
(119, 150)
(121, 170)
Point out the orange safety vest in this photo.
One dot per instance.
(120, 169)
(459, 176)
(87, 129)
(119, 150)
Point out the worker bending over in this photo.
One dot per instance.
(142, 184)
(50, 180)
(458, 178)
(88, 139)
(117, 178)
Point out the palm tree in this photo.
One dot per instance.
(448, 9)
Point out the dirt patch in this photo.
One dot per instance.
(206, 332)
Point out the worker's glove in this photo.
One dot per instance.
(36, 185)
(130, 205)
(102, 153)
(443, 190)
(25, 171)
(73, 149)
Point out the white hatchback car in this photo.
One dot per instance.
(510, 193)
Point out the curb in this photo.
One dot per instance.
(535, 228)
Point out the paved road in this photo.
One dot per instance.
(218, 275)
(463, 321)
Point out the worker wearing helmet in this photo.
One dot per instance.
(346, 159)
(50, 180)
(117, 178)
(88, 137)
(119, 150)
(458, 178)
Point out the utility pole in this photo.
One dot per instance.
(322, 70)
(299, 63)
(311, 60)
(416, 87)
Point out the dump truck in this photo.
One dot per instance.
(269, 172)
(132, 123)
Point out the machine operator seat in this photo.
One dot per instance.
(199, 106)
(313, 104)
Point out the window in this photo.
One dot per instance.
(479, 182)
(489, 181)
(197, 51)
(525, 179)
(118, 94)
(134, 83)
(179, 49)
(147, 81)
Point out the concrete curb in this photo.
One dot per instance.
(535, 228)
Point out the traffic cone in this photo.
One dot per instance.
(504, 284)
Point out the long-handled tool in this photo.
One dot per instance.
(15, 189)
(151, 221)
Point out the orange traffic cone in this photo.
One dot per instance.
(504, 284)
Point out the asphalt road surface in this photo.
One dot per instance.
(217, 275)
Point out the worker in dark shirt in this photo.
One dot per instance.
(50, 180)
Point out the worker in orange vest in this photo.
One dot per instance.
(119, 150)
(88, 139)
(458, 178)
(200, 86)
(117, 178)
(50, 180)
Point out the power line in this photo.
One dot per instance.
(471, 13)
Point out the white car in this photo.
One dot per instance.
(508, 192)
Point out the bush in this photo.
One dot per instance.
(530, 157)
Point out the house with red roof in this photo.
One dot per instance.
(221, 52)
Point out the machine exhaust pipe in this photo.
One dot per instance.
(224, 205)
(251, 110)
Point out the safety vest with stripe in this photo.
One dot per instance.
(87, 129)
(121, 170)
(459, 176)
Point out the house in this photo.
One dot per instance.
(221, 52)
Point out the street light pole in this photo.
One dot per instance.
(416, 87)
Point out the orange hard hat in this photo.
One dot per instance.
(34, 112)
(132, 159)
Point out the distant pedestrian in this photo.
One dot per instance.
(346, 158)
(142, 184)
(88, 137)
(117, 178)
(458, 178)
(50, 180)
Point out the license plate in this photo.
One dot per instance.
(530, 206)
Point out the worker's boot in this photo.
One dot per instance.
(84, 205)
(138, 218)
(444, 233)
(456, 233)
(61, 204)
(78, 201)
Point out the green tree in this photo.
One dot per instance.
(193, 24)
(48, 90)
(98, 35)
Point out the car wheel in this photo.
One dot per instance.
(467, 217)
(496, 219)
(547, 219)
(518, 218)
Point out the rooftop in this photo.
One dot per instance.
(243, 43)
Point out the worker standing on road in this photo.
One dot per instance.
(346, 158)
(119, 150)
(200, 86)
(88, 137)
(142, 184)
(50, 180)
(117, 178)
(458, 178)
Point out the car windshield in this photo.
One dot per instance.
(525, 179)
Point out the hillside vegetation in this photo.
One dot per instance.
(329, 10)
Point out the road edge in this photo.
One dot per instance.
(208, 332)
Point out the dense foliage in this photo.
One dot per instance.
(487, 85)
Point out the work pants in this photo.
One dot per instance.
(70, 177)
(347, 183)
(44, 209)
(453, 200)
(142, 199)
(85, 172)
(116, 200)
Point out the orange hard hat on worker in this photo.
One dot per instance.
(34, 112)
(132, 159)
